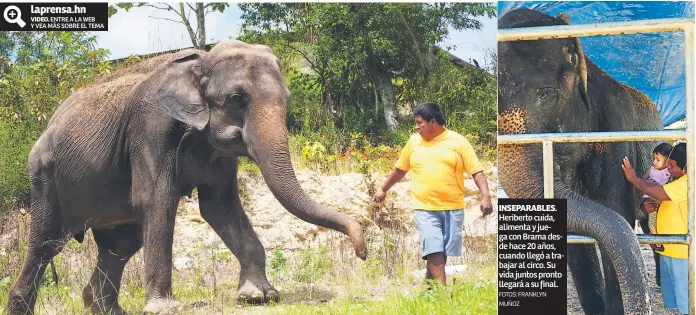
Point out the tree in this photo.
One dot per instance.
(183, 13)
(38, 71)
(359, 50)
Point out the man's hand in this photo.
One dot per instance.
(486, 206)
(482, 184)
(395, 176)
(650, 205)
(379, 196)
(628, 170)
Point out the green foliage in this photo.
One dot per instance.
(350, 55)
(212, 6)
(467, 97)
(463, 297)
(278, 262)
(249, 166)
(312, 265)
(42, 70)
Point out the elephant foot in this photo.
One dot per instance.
(111, 310)
(252, 294)
(163, 306)
(101, 305)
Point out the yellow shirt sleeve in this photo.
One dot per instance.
(470, 160)
(676, 190)
(404, 162)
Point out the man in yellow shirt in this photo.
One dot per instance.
(438, 158)
(671, 219)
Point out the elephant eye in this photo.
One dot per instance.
(545, 93)
(237, 98)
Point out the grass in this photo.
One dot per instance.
(463, 297)
(326, 279)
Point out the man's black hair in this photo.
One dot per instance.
(430, 111)
(679, 155)
(663, 149)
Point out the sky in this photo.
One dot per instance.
(135, 32)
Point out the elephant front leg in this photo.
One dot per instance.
(222, 209)
(158, 236)
(587, 276)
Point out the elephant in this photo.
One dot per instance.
(551, 86)
(117, 156)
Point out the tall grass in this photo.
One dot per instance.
(327, 279)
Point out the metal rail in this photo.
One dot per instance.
(633, 27)
(642, 239)
(620, 136)
(565, 31)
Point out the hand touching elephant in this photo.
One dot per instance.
(548, 86)
(117, 156)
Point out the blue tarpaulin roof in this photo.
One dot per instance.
(652, 63)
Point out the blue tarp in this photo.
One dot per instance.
(652, 63)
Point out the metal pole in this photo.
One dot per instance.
(691, 162)
(548, 169)
(606, 136)
(577, 30)
(642, 239)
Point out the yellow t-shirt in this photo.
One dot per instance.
(672, 217)
(437, 167)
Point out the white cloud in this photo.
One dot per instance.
(472, 44)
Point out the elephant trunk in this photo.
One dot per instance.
(617, 239)
(269, 148)
(521, 177)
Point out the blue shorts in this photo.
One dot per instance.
(440, 231)
(674, 282)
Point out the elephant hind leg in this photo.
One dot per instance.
(42, 247)
(116, 247)
(46, 239)
(585, 269)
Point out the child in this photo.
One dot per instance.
(657, 174)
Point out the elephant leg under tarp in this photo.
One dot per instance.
(222, 209)
(116, 247)
(585, 269)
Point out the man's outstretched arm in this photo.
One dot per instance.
(653, 190)
(394, 177)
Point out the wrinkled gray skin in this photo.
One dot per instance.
(548, 86)
(117, 156)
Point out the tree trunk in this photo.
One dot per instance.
(386, 94)
(182, 14)
(200, 20)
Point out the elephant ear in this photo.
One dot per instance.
(179, 91)
(576, 57)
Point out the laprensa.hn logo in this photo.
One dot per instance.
(13, 14)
